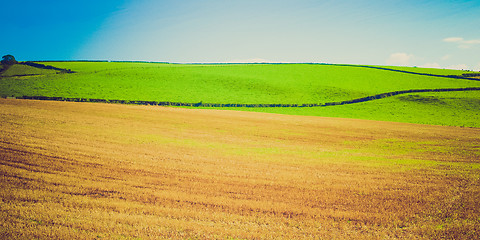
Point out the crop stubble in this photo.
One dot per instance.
(90, 170)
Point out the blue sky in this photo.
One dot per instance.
(441, 33)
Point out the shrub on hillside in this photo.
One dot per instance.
(8, 60)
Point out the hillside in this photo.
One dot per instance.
(85, 170)
(292, 84)
(444, 108)
(20, 70)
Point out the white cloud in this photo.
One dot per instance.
(431, 65)
(474, 41)
(446, 57)
(401, 59)
(453, 39)
(458, 67)
(462, 43)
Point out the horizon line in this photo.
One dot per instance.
(233, 63)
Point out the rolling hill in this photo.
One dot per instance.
(265, 84)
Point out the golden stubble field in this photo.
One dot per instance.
(86, 171)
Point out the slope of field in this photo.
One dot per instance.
(276, 83)
(24, 70)
(441, 108)
(86, 170)
(259, 84)
(436, 71)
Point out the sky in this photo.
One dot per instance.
(423, 33)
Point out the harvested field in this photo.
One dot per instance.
(87, 170)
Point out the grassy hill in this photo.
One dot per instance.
(451, 109)
(437, 71)
(20, 70)
(260, 84)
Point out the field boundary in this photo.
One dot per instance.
(35, 65)
(48, 67)
(464, 76)
(227, 105)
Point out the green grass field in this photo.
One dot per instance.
(18, 69)
(264, 84)
(437, 71)
(451, 109)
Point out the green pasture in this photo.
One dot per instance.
(436, 71)
(243, 83)
(262, 84)
(446, 108)
(18, 69)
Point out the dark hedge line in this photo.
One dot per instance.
(42, 66)
(391, 94)
(471, 74)
(226, 105)
(466, 76)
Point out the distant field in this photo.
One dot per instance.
(85, 171)
(18, 69)
(451, 109)
(260, 84)
(437, 71)
(221, 83)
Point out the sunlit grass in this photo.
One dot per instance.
(446, 108)
(437, 71)
(243, 83)
(264, 84)
(19, 70)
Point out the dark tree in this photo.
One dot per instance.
(8, 60)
